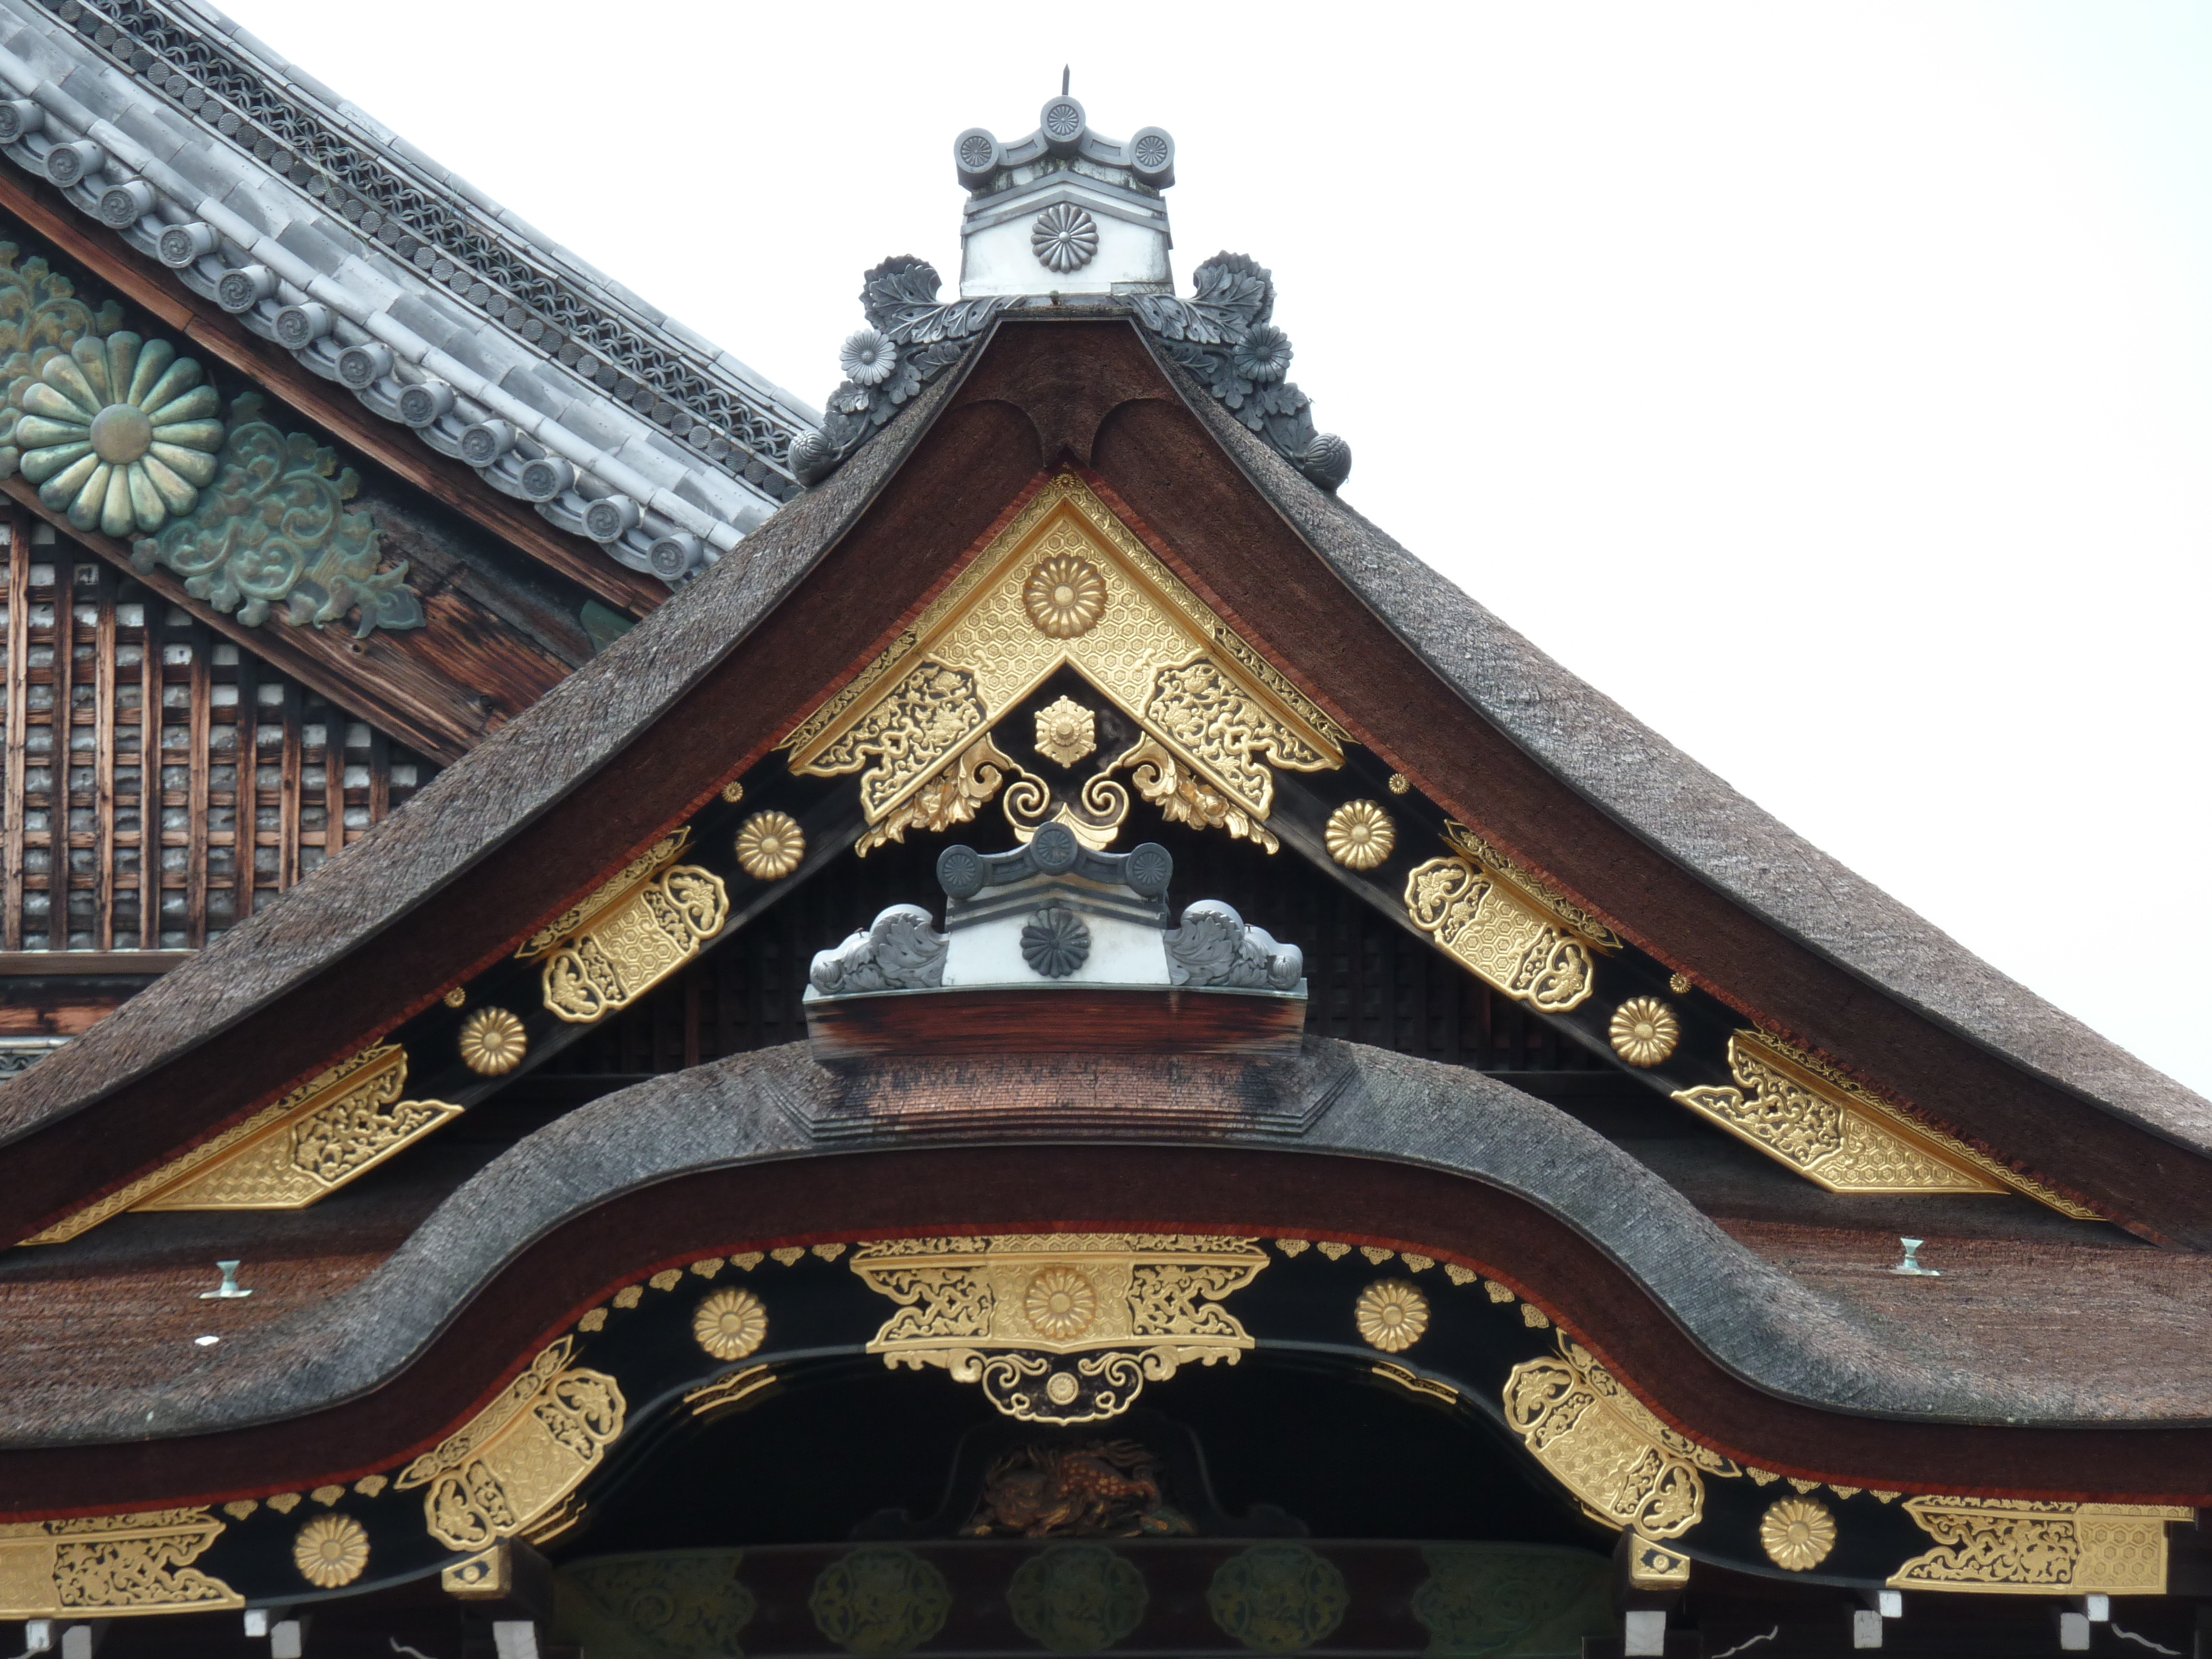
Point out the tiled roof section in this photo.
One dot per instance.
(326, 233)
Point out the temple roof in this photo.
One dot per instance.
(1632, 774)
(1748, 1308)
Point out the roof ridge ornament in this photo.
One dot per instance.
(1224, 334)
(1066, 214)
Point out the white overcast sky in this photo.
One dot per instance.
(1830, 384)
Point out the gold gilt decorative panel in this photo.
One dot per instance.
(1802, 1112)
(1514, 933)
(1061, 1328)
(513, 1462)
(287, 1155)
(110, 1567)
(643, 924)
(1068, 583)
(1605, 1446)
(1998, 1545)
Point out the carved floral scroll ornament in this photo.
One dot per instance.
(1061, 1328)
(910, 339)
(637, 928)
(1067, 586)
(273, 529)
(513, 1463)
(111, 1565)
(1226, 336)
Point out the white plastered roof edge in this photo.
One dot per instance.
(336, 289)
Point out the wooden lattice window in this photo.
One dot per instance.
(257, 780)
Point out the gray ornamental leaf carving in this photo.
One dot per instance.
(924, 338)
(273, 529)
(1223, 337)
(1216, 946)
(900, 950)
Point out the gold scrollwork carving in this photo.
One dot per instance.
(637, 929)
(114, 1565)
(2005, 1546)
(513, 1462)
(1184, 795)
(929, 715)
(1604, 1445)
(1206, 699)
(1475, 914)
(1810, 1116)
(1061, 1328)
(953, 794)
(1209, 717)
(285, 1156)
(1094, 817)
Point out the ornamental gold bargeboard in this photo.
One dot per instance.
(1061, 1328)
(308, 1145)
(1215, 717)
(639, 926)
(1515, 933)
(1605, 1446)
(1808, 1115)
(111, 1565)
(515, 1461)
(2000, 1546)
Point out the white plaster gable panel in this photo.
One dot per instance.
(1003, 259)
(321, 231)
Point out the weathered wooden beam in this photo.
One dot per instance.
(58, 758)
(18, 698)
(103, 760)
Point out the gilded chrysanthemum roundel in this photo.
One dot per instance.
(1644, 1031)
(331, 1550)
(730, 1324)
(770, 844)
(1797, 1533)
(493, 1043)
(1391, 1315)
(1059, 1304)
(1065, 597)
(119, 433)
(1359, 834)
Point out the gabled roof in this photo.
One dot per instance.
(645, 736)
(326, 234)
(1693, 818)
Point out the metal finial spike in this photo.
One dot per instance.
(1064, 69)
(227, 1291)
(1910, 1265)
